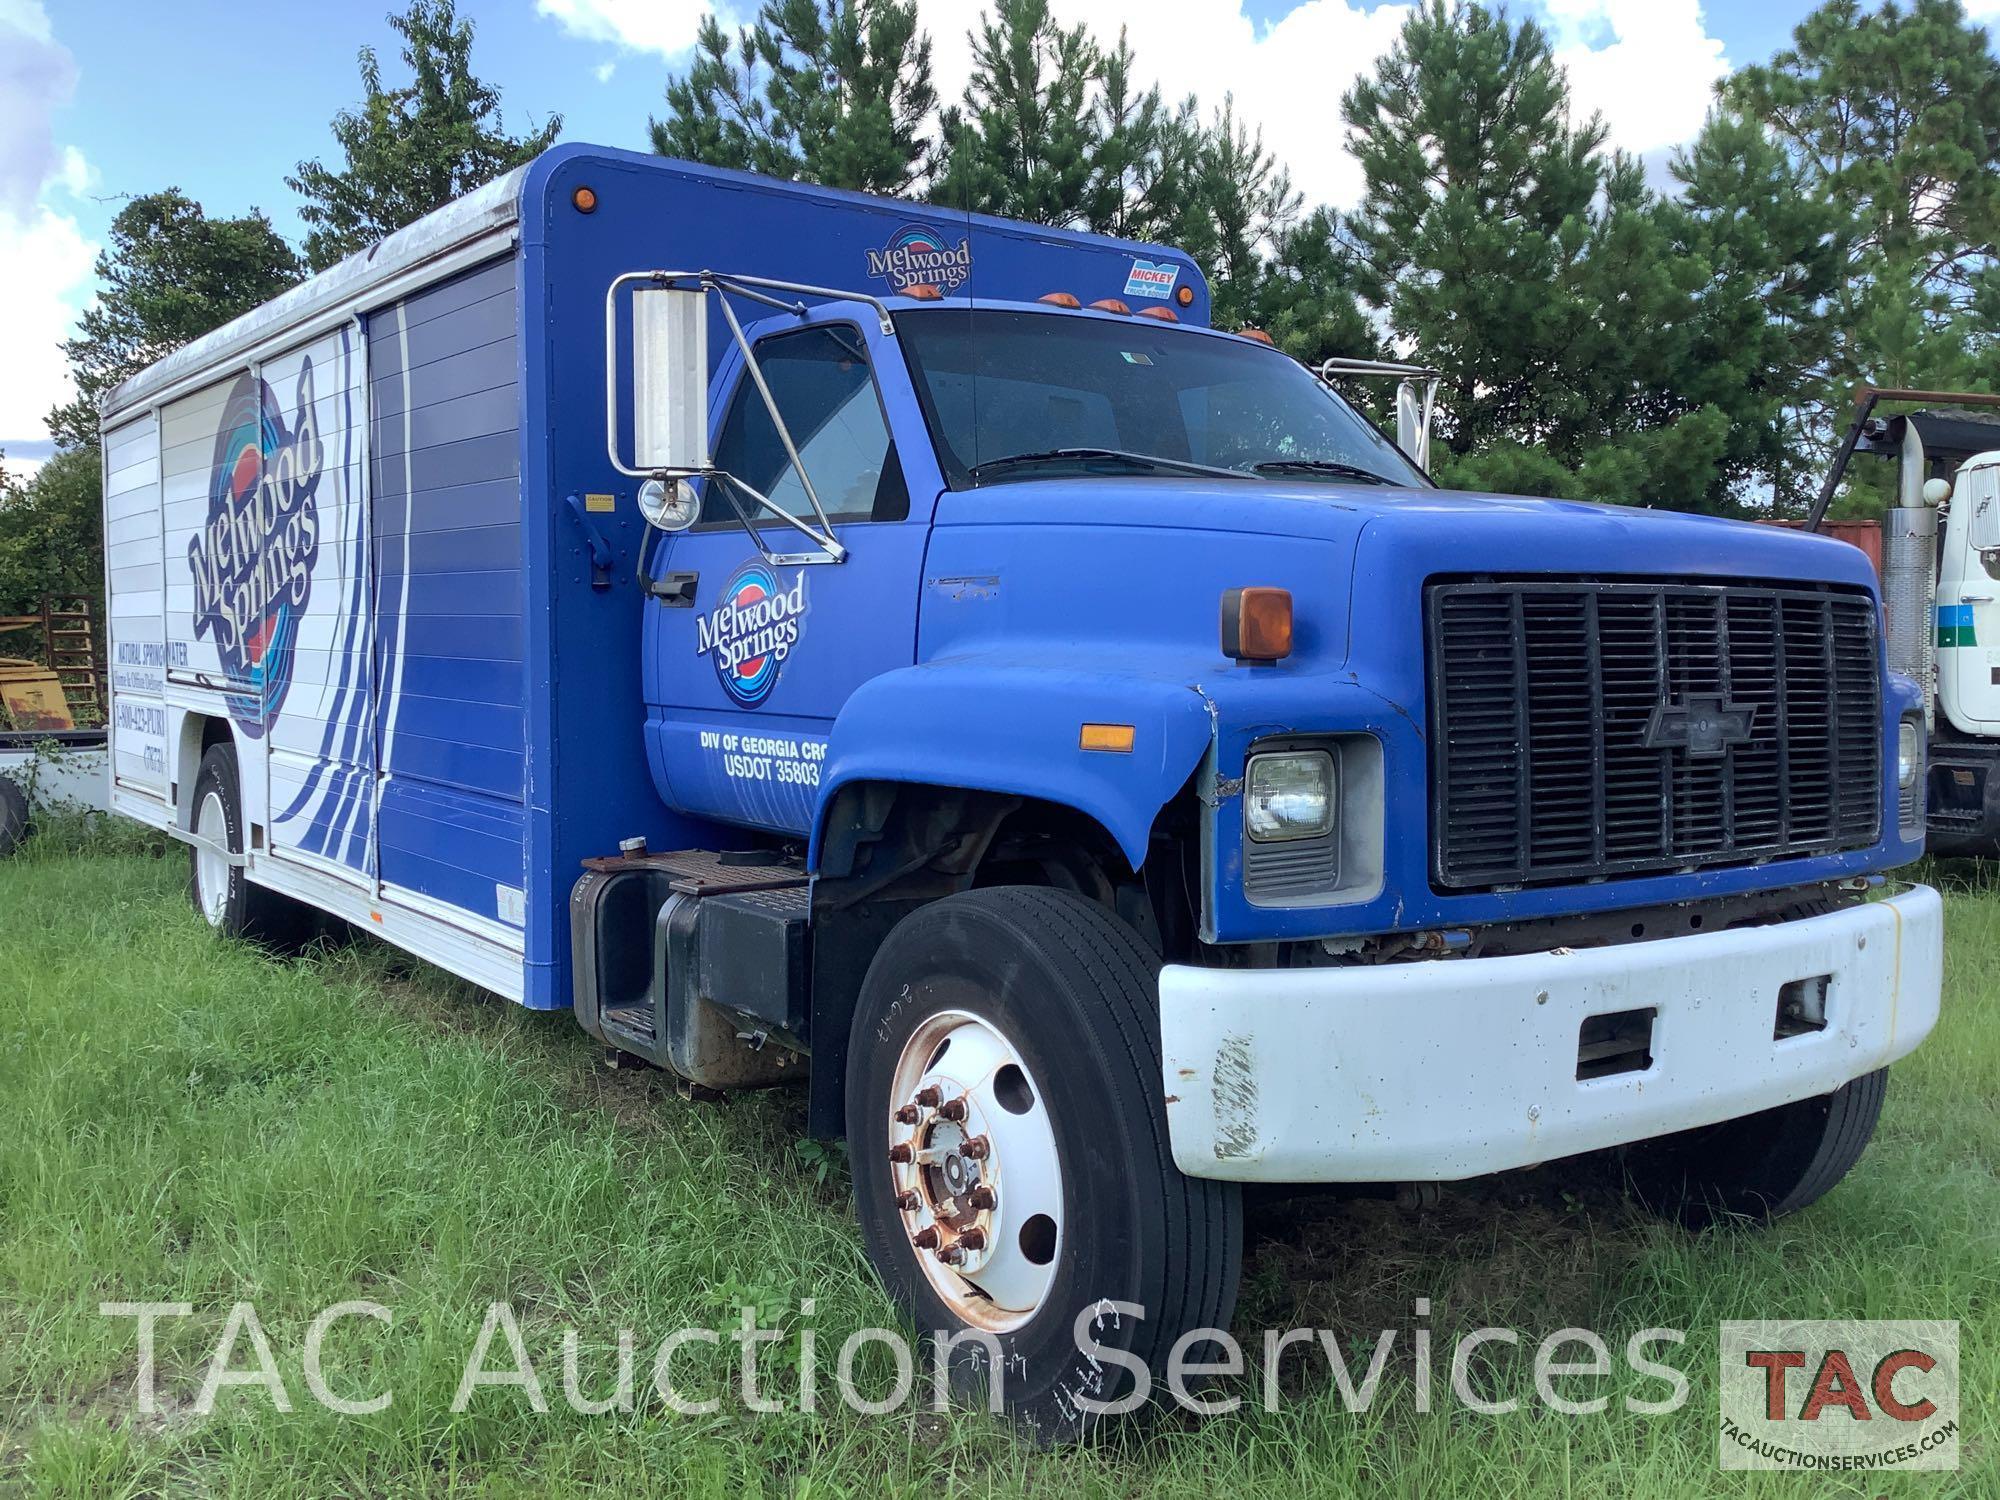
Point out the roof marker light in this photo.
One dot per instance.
(584, 200)
(1258, 334)
(1164, 314)
(1185, 296)
(1110, 305)
(922, 291)
(1059, 299)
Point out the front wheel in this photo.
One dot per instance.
(1763, 1166)
(1012, 1174)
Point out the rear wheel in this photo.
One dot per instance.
(1011, 1166)
(1762, 1166)
(220, 892)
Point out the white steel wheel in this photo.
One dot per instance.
(1007, 1123)
(221, 891)
(211, 869)
(974, 1169)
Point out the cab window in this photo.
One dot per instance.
(822, 383)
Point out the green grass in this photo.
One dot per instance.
(183, 1120)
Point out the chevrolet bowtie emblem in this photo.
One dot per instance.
(1701, 724)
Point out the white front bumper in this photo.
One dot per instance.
(1451, 1068)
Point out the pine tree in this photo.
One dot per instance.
(1893, 117)
(1024, 141)
(830, 91)
(411, 149)
(170, 274)
(1770, 253)
(1478, 191)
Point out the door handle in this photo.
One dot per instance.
(1975, 598)
(675, 590)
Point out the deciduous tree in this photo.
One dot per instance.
(169, 274)
(412, 148)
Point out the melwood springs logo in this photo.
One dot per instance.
(751, 630)
(253, 559)
(919, 256)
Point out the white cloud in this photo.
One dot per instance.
(663, 26)
(46, 256)
(1646, 65)
(604, 70)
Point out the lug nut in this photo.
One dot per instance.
(973, 1238)
(907, 1202)
(953, 1109)
(981, 1198)
(925, 1238)
(952, 1255)
(909, 1114)
(978, 1148)
(929, 1096)
(900, 1153)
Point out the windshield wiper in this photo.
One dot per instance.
(1099, 455)
(1327, 466)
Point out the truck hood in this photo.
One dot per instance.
(1137, 565)
(1452, 530)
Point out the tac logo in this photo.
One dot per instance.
(751, 630)
(253, 559)
(918, 256)
(1839, 1396)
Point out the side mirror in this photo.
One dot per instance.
(1413, 423)
(669, 504)
(669, 372)
(670, 379)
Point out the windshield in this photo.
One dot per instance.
(1014, 395)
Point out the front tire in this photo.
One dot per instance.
(1763, 1166)
(1006, 1053)
(221, 893)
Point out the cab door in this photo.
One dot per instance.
(751, 662)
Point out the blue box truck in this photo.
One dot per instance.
(823, 637)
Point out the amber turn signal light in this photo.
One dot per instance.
(584, 200)
(1257, 624)
(1116, 738)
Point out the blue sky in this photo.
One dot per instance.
(101, 99)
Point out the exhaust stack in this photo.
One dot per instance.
(1909, 575)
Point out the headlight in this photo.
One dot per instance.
(1289, 796)
(1909, 754)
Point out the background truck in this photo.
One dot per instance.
(814, 635)
(1940, 562)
